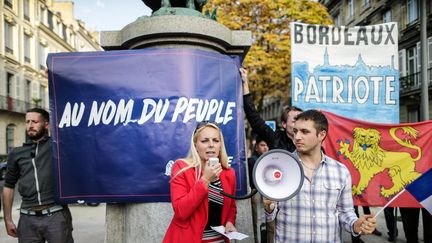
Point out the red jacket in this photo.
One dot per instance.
(190, 203)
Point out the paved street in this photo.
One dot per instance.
(88, 222)
(89, 226)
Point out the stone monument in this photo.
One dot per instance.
(173, 24)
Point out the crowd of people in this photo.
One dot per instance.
(318, 213)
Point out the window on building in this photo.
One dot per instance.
(58, 29)
(8, 3)
(27, 48)
(387, 16)
(366, 3)
(35, 91)
(65, 36)
(350, 4)
(71, 40)
(41, 56)
(430, 52)
(42, 94)
(336, 19)
(50, 20)
(402, 63)
(42, 12)
(10, 139)
(27, 10)
(8, 31)
(27, 93)
(430, 59)
(412, 65)
(413, 113)
(17, 84)
(9, 84)
(412, 11)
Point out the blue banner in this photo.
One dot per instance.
(121, 118)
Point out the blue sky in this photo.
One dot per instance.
(109, 14)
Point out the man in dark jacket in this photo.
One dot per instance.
(280, 139)
(29, 166)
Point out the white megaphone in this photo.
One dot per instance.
(277, 175)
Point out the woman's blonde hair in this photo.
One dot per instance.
(193, 159)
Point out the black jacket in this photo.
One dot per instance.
(23, 163)
(274, 139)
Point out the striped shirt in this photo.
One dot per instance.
(215, 213)
(316, 212)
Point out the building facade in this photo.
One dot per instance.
(407, 15)
(30, 29)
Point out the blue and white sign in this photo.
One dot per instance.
(271, 124)
(349, 71)
(120, 119)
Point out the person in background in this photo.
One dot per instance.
(260, 147)
(324, 203)
(389, 214)
(280, 139)
(195, 187)
(41, 218)
(410, 221)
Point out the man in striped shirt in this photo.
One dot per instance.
(324, 202)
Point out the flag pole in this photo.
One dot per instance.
(394, 198)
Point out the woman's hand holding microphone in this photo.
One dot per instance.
(211, 172)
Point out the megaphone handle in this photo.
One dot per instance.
(253, 192)
(272, 206)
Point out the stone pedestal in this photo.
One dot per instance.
(179, 32)
(148, 222)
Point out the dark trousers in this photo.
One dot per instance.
(410, 220)
(56, 228)
(389, 214)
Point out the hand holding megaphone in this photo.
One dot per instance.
(269, 205)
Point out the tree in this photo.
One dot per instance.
(269, 59)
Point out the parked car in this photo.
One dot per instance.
(3, 166)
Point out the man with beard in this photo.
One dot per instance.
(41, 219)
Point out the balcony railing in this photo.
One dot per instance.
(412, 82)
(14, 105)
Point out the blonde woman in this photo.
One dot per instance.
(195, 187)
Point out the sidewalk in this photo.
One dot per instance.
(88, 222)
(89, 226)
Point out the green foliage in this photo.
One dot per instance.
(269, 59)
